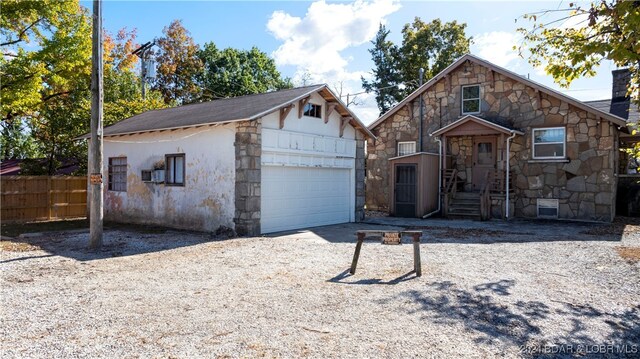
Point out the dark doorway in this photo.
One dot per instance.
(405, 191)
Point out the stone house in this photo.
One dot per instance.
(506, 146)
(260, 163)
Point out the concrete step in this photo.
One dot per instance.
(465, 201)
(467, 195)
(463, 216)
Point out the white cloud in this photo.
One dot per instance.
(314, 43)
(497, 47)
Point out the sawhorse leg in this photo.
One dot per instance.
(354, 263)
(417, 264)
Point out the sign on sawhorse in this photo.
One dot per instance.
(390, 237)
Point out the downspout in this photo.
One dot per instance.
(513, 134)
(439, 179)
(421, 114)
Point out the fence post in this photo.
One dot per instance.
(49, 201)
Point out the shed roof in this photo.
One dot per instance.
(242, 108)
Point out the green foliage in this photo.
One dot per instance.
(432, 46)
(604, 30)
(46, 47)
(178, 65)
(232, 72)
(16, 141)
(387, 77)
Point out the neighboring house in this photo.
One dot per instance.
(561, 154)
(259, 163)
(66, 167)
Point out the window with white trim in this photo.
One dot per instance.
(175, 170)
(549, 143)
(313, 110)
(406, 148)
(470, 99)
(117, 180)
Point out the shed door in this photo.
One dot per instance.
(405, 191)
(301, 197)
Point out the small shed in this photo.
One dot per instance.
(414, 192)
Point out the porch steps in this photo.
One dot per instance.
(465, 205)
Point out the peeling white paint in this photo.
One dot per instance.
(207, 199)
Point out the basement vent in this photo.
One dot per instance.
(145, 175)
(547, 208)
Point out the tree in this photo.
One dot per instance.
(178, 65)
(46, 48)
(232, 72)
(386, 74)
(604, 30)
(432, 46)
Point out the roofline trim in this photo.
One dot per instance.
(468, 118)
(549, 91)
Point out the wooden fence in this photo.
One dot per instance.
(39, 198)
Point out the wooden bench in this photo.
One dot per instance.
(389, 236)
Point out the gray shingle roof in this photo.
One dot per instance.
(625, 109)
(217, 111)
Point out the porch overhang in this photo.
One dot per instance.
(471, 125)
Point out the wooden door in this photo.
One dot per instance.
(484, 159)
(405, 191)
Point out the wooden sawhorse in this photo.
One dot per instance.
(415, 235)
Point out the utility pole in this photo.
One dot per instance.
(95, 155)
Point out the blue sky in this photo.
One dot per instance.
(329, 40)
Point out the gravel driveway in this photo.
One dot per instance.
(485, 291)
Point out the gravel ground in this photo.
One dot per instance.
(486, 291)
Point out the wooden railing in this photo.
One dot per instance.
(485, 197)
(449, 189)
(33, 198)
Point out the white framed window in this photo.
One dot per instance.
(406, 148)
(313, 110)
(547, 208)
(175, 169)
(117, 180)
(470, 99)
(549, 142)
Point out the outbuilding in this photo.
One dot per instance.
(260, 163)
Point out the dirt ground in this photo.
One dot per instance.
(520, 289)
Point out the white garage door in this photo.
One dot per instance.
(299, 197)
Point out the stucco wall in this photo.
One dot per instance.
(584, 183)
(207, 199)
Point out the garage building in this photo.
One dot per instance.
(260, 163)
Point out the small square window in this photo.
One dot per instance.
(117, 174)
(313, 110)
(470, 99)
(548, 143)
(175, 170)
(406, 148)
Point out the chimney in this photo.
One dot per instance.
(621, 80)
(619, 100)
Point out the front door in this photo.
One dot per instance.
(484, 159)
(405, 191)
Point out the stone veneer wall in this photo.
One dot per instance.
(360, 177)
(248, 146)
(584, 183)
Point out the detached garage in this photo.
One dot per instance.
(263, 163)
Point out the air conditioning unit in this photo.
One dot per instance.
(158, 176)
(146, 175)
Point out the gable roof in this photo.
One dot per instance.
(512, 75)
(625, 109)
(476, 119)
(242, 108)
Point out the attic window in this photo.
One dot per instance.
(313, 110)
(470, 99)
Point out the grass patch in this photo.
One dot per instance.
(16, 229)
(630, 254)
